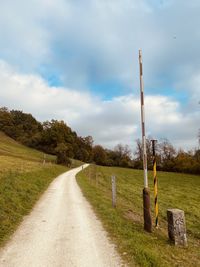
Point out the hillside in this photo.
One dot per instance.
(57, 138)
(125, 223)
(23, 177)
(10, 149)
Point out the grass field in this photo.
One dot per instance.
(23, 178)
(9, 147)
(125, 223)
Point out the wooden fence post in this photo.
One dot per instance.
(113, 179)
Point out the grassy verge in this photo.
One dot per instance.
(125, 223)
(23, 178)
(19, 192)
(11, 148)
(76, 163)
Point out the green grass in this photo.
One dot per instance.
(76, 163)
(9, 147)
(18, 194)
(125, 223)
(23, 178)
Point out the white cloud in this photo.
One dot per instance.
(93, 42)
(31, 92)
(24, 42)
(109, 122)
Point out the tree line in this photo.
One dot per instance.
(168, 158)
(57, 138)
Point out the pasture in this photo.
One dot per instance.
(125, 222)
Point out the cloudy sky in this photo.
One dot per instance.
(77, 60)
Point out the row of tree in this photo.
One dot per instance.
(53, 137)
(168, 158)
(56, 137)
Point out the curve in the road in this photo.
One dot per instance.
(62, 230)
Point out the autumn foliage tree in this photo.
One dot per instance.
(168, 158)
(99, 155)
(56, 137)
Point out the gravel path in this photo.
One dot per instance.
(62, 230)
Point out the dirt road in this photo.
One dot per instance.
(62, 230)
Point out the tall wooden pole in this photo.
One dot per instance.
(146, 192)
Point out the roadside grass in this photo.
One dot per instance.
(19, 192)
(125, 222)
(23, 178)
(14, 164)
(76, 163)
(9, 147)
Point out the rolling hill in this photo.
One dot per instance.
(23, 178)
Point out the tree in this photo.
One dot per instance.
(197, 155)
(63, 153)
(167, 155)
(83, 148)
(20, 126)
(54, 133)
(26, 127)
(138, 162)
(99, 155)
(122, 155)
(167, 150)
(56, 137)
(6, 124)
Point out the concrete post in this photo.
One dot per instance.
(44, 159)
(113, 179)
(96, 178)
(177, 227)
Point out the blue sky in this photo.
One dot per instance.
(78, 61)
